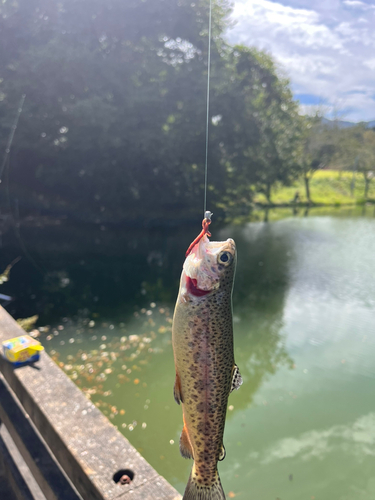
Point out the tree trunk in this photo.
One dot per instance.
(268, 193)
(307, 188)
(367, 185)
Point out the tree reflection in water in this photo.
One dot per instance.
(262, 283)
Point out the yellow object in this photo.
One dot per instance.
(23, 349)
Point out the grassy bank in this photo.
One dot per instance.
(278, 213)
(327, 187)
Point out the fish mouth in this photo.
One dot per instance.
(192, 287)
(201, 267)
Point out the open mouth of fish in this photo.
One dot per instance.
(204, 266)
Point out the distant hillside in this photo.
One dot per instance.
(346, 124)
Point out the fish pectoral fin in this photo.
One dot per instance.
(185, 445)
(236, 379)
(222, 453)
(177, 390)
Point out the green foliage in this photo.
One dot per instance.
(28, 324)
(259, 128)
(319, 146)
(113, 127)
(329, 187)
(356, 151)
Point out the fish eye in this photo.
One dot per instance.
(225, 258)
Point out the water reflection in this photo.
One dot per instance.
(357, 437)
(314, 423)
(262, 282)
(98, 269)
(68, 268)
(302, 425)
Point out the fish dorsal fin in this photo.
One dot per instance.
(236, 379)
(177, 390)
(222, 453)
(185, 445)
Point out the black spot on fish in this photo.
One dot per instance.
(200, 407)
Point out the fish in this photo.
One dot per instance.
(202, 339)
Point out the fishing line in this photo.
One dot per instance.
(11, 135)
(208, 107)
(15, 224)
(6, 163)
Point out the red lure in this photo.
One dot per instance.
(205, 224)
(192, 283)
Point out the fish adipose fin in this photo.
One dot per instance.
(195, 491)
(185, 446)
(177, 390)
(236, 379)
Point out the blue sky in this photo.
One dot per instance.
(325, 47)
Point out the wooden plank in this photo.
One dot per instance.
(51, 479)
(6, 488)
(19, 475)
(86, 445)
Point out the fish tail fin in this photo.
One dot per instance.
(195, 491)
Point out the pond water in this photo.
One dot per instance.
(302, 426)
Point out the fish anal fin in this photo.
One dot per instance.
(185, 445)
(236, 379)
(222, 453)
(177, 390)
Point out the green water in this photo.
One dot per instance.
(302, 426)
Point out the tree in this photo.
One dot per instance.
(356, 146)
(258, 132)
(318, 148)
(115, 108)
(366, 161)
(113, 127)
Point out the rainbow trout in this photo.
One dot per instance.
(202, 337)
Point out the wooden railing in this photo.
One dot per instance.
(70, 447)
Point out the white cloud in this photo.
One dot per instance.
(359, 437)
(370, 63)
(357, 4)
(265, 20)
(327, 52)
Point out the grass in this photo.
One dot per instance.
(278, 213)
(327, 187)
